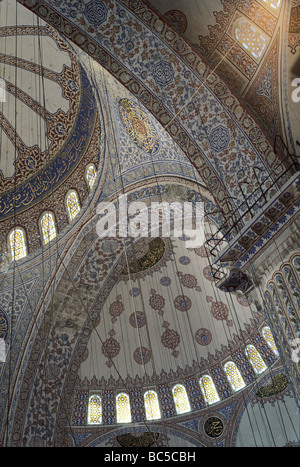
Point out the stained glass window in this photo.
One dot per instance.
(48, 227)
(95, 410)
(209, 390)
(256, 360)
(91, 175)
(250, 38)
(151, 406)
(181, 400)
(17, 244)
(275, 4)
(234, 376)
(73, 205)
(268, 336)
(123, 408)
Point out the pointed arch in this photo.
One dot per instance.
(255, 359)
(123, 408)
(152, 409)
(208, 389)
(234, 376)
(95, 410)
(48, 228)
(181, 400)
(72, 204)
(251, 39)
(17, 243)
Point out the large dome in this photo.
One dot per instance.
(49, 122)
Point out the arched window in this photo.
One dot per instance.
(123, 408)
(268, 336)
(256, 360)
(182, 404)
(95, 410)
(209, 390)
(90, 175)
(234, 376)
(151, 405)
(73, 206)
(48, 227)
(275, 4)
(17, 244)
(250, 38)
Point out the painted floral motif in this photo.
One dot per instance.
(110, 348)
(95, 12)
(203, 336)
(139, 126)
(134, 292)
(157, 302)
(165, 281)
(178, 19)
(171, 340)
(182, 303)
(142, 355)
(116, 309)
(137, 319)
(185, 260)
(211, 275)
(219, 311)
(189, 281)
(202, 251)
(219, 138)
(163, 73)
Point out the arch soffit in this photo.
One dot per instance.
(184, 61)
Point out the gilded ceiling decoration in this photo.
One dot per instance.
(144, 440)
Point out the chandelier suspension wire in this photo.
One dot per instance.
(123, 192)
(132, 244)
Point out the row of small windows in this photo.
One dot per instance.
(17, 240)
(250, 37)
(181, 400)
